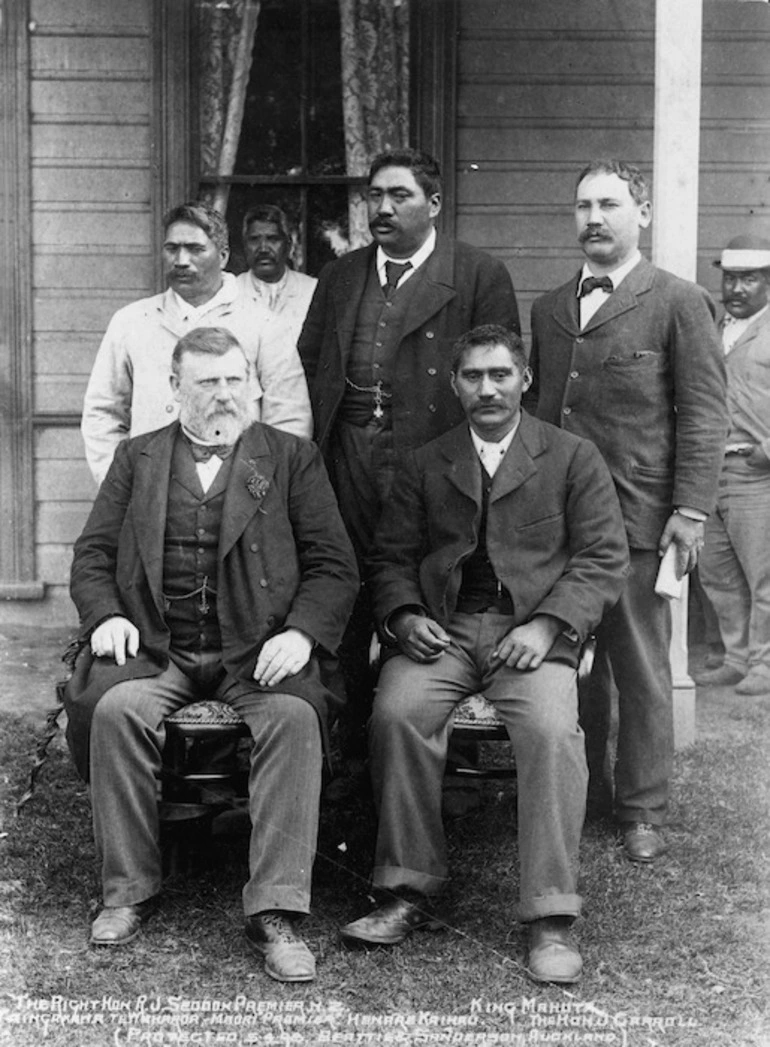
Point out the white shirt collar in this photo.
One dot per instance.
(490, 452)
(421, 255)
(190, 313)
(617, 275)
(734, 327)
(269, 293)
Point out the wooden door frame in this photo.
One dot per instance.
(17, 494)
(434, 31)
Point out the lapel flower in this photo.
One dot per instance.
(256, 484)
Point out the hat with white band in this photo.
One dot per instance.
(744, 254)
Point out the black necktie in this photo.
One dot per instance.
(393, 273)
(202, 453)
(591, 283)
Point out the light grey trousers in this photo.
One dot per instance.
(127, 737)
(408, 737)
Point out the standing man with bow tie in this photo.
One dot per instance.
(627, 355)
(214, 564)
(376, 346)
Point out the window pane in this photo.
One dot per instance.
(325, 133)
(271, 141)
(328, 225)
(318, 214)
(294, 92)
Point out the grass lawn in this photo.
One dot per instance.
(675, 955)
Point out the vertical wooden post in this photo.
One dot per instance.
(17, 532)
(678, 46)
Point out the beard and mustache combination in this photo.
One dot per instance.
(218, 424)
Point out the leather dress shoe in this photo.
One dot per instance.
(642, 842)
(120, 924)
(392, 922)
(754, 683)
(553, 954)
(287, 958)
(724, 676)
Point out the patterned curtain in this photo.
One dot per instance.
(375, 91)
(228, 29)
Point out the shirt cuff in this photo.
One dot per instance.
(692, 514)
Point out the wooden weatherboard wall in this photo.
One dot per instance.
(544, 87)
(95, 139)
(91, 153)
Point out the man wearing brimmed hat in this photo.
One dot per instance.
(735, 564)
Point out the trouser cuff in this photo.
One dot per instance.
(391, 877)
(540, 906)
(284, 898)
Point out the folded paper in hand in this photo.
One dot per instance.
(667, 584)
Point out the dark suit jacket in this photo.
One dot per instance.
(463, 287)
(284, 561)
(645, 381)
(555, 534)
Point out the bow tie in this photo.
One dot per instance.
(202, 453)
(593, 283)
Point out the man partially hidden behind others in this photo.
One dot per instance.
(735, 564)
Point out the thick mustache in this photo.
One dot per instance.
(587, 234)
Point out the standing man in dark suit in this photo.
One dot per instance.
(500, 548)
(214, 564)
(376, 346)
(627, 355)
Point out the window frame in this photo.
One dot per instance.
(433, 108)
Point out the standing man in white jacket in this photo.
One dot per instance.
(128, 391)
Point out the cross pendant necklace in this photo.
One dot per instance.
(377, 390)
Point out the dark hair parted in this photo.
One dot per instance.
(205, 341)
(637, 186)
(425, 169)
(486, 336)
(206, 218)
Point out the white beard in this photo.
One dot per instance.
(222, 427)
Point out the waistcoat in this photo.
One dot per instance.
(191, 542)
(480, 588)
(376, 338)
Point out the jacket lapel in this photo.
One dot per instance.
(463, 469)
(149, 503)
(750, 333)
(565, 307)
(517, 465)
(437, 287)
(250, 477)
(626, 297)
(347, 294)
